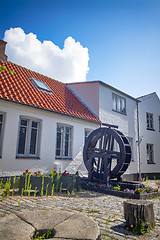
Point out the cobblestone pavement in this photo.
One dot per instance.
(106, 210)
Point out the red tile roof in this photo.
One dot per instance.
(19, 88)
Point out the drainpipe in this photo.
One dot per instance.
(138, 142)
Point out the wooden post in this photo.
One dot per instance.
(137, 212)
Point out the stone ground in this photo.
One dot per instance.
(106, 210)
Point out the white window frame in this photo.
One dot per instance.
(29, 128)
(40, 85)
(2, 131)
(150, 153)
(87, 131)
(117, 104)
(62, 144)
(149, 121)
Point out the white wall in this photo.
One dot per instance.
(9, 162)
(127, 124)
(151, 104)
(88, 92)
(99, 98)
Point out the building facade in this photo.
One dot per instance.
(44, 123)
(112, 107)
(36, 139)
(149, 120)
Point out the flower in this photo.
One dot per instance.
(139, 190)
(55, 172)
(27, 171)
(39, 171)
(35, 173)
(24, 173)
(65, 173)
(129, 190)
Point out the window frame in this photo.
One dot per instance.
(87, 130)
(150, 151)
(44, 89)
(115, 108)
(2, 132)
(148, 121)
(62, 144)
(159, 122)
(27, 153)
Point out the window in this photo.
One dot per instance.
(29, 138)
(149, 117)
(63, 144)
(2, 116)
(150, 153)
(40, 85)
(86, 133)
(119, 104)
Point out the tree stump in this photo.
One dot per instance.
(137, 213)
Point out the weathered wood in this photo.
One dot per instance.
(137, 212)
(99, 151)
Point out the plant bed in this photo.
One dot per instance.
(137, 193)
(127, 185)
(9, 186)
(36, 183)
(47, 184)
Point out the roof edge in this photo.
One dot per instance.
(28, 105)
(106, 85)
(82, 101)
(147, 95)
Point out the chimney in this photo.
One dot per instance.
(3, 56)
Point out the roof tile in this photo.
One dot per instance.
(19, 88)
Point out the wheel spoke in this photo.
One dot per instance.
(105, 145)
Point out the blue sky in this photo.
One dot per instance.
(122, 36)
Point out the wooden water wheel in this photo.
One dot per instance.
(106, 154)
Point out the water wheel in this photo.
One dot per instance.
(106, 154)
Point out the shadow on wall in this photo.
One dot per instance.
(77, 164)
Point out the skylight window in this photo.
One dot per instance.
(40, 85)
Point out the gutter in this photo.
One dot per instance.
(64, 114)
(138, 142)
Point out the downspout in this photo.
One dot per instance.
(138, 142)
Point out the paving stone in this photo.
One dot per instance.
(13, 228)
(78, 226)
(65, 224)
(107, 206)
(44, 219)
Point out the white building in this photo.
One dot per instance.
(44, 123)
(113, 107)
(149, 126)
(138, 119)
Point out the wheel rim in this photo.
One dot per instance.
(105, 144)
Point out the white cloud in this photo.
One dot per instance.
(69, 64)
